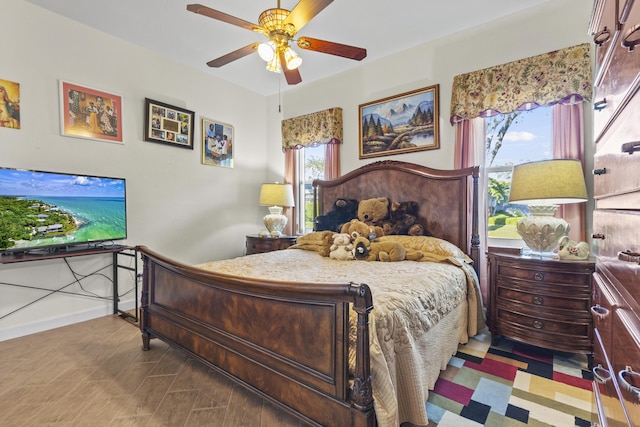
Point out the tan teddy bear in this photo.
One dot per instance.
(373, 211)
(356, 228)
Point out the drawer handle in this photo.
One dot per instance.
(600, 105)
(631, 147)
(538, 300)
(628, 373)
(537, 324)
(601, 171)
(599, 236)
(629, 256)
(599, 312)
(632, 38)
(601, 375)
(539, 277)
(602, 37)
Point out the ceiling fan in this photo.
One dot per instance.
(280, 26)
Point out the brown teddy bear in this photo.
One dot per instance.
(373, 211)
(356, 228)
(387, 251)
(403, 220)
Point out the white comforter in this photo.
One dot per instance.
(409, 298)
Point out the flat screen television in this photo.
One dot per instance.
(51, 211)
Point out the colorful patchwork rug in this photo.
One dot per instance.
(511, 384)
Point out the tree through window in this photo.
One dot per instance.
(511, 139)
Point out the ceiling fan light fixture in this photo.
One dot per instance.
(292, 60)
(274, 64)
(266, 51)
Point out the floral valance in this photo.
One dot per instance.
(561, 76)
(323, 127)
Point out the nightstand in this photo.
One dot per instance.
(542, 302)
(257, 244)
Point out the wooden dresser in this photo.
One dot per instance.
(615, 25)
(542, 302)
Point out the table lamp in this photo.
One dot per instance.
(542, 186)
(276, 196)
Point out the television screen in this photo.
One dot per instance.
(41, 210)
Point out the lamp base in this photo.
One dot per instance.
(275, 221)
(542, 231)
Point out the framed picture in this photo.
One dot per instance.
(9, 104)
(90, 113)
(167, 124)
(217, 143)
(400, 124)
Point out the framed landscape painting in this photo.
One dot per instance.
(400, 124)
(167, 124)
(90, 113)
(217, 143)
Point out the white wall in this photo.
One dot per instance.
(175, 205)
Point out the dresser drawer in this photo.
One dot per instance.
(620, 82)
(603, 28)
(542, 296)
(565, 334)
(539, 275)
(626, 358)
(605, 301)
(605, 392)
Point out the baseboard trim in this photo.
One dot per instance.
(60, 321)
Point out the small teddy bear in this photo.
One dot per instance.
(342, 248)
(387, 251)
(356, 228)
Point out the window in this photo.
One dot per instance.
(310, 166)
(514, 138)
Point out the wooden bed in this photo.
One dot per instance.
(289, 341)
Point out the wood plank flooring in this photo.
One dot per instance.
(95, 373)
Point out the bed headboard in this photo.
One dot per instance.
(447, 198)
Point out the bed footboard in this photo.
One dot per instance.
(287, 342)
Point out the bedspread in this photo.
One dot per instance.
(409, 299)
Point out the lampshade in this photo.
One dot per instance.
(292, 59)
(543, 185)
(548, 182)
(275, 196)
(266, 50)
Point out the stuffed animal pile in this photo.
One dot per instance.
(399, 218)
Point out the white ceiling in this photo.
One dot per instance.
(382, 27)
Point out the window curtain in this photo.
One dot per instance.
(558, 77)
(469, 151)
(322, 127)
(561, 79)
(568, 143)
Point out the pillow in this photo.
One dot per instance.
(319, 241)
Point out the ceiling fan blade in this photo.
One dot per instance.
(293, 76)
(236, 54)
(332, 48)
(221, 16)
(304, 12)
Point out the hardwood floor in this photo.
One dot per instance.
(95, 374)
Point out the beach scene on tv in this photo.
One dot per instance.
(43, 209)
